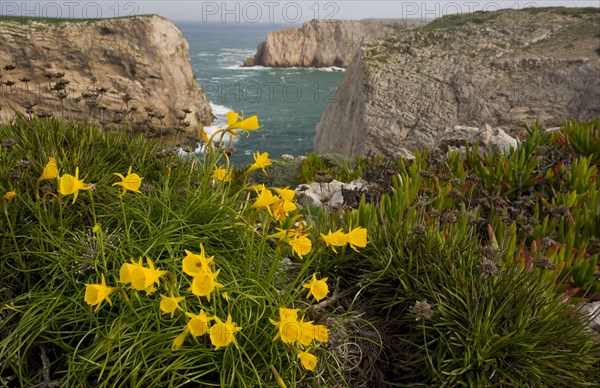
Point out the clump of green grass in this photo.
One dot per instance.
(53, 247)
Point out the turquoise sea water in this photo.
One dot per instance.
(289, 102)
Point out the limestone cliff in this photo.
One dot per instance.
(504, 68)
(127, 70)
(321, 43)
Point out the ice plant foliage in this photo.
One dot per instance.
(131, 182)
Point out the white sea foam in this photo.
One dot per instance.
(332, 68)
(219, 111)
(327, 69)
(240, 67)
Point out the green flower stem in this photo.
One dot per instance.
(125, 224)
(99, 233)
(263, 243)
(14, 238)
(426, 350)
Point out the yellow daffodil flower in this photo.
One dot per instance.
(282, 235)
(204, 136)
(70, 184)
(288, 325)
(221, 174)
(335, 239)
(193, 264)
(143, 279)
(282, 207)
(50, 170)
(285, 193)
(178, 341)
(10, 195)
(127, 268)
(278, 378)
(204, 284)
(168, 304)
(235, 121)
(260, 161)
(265, 199)
(321, 333)
(131, 182)
(300, 246)
(357, 237)
(286, 314)
(277, 211)
(317, 288)
(96, 293)
(307, 333)
(222, 333)
(198, 324)
(308, 361)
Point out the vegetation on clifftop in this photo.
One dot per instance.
(467, 275)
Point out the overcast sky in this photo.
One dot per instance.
(268, 11)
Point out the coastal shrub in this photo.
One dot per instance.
(474, 263)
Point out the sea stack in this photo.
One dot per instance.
(322, 43)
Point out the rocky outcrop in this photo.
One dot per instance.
(321, 43)
(504, 69)
(128, 70)
(486, 138)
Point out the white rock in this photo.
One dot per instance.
(593, 311)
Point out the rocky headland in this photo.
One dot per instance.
(321, 43)
(502, 69)
(133, 70)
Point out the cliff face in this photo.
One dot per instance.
(505, 69)
(130, 70)
(321, 43)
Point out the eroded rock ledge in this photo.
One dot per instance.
(321, 43)
(112, 70)
(504, 69)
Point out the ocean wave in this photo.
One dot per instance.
(240, 67)
(332, 68)
(219, 110)
(327, 69)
